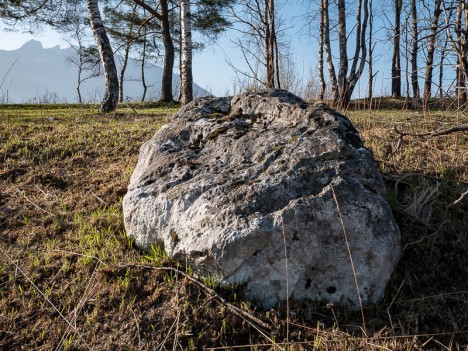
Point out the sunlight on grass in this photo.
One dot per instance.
(63, 172)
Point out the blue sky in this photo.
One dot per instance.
(212, 72)
(210, 68)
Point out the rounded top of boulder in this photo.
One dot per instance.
(262, 101)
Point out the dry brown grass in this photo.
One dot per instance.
(70, 278)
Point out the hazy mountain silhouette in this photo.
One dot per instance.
(35, 74)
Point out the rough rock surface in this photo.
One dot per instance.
(233, 183)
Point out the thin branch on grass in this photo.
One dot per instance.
(42, 191)
(287, 279)
(32, 203)
(351, 259)
(460, 198)
(456, 129)
(98, 198)
(330, 306)
(397, 147)
(391, 304)
(168, 334)
(176, 332)
(132, 108)
(248, 317)
(44, 296)
(79, 307)
(137, 326)
(81, 303)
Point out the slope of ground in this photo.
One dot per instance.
(70, 278)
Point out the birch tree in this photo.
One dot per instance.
(461, 48)
(396, 56)
(459, 44)
(270, 44)
(186, 52)
(161, 12)
(370, 81)
(431, 49)
(321, 47)
(111, 94)
(123, 31)
(414, 54)
(327, 45)
(345, 81)
(85, 59)
(258, 43)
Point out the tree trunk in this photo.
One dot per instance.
(143, 61)
(78, 83)
(441, 70)
(269, 46)
(361, 50)
(168, 69)
(80, 66)
(186, 52)
(274, 44)
(342, 87)
(321, 45)
(128, 45)
(407, 58)
(327, 46)
(461, 85)
(414, 55)
(463, 50)
(111, 95)
(396, 63)
(370, 90)
(122, 71)
(277, 61)
(347, 80)
(431, 50)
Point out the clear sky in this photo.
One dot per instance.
(213, 73)
(210, 68)
(11, 40)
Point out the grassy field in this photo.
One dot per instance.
(70, 279)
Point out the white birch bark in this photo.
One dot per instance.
(111, 96)
(321, 45)
(186, 52)
(431, 50)
(342, 40)
(327, 45)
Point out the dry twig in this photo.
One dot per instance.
(44, 296)
(435, 133)
(248, 317)
(351, 259)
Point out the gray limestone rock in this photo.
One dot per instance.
(232, 184)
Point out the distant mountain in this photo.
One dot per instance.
(35, 74)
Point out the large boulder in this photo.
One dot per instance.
(233, 184)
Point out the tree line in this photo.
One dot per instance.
(147, 27)
(418, 29)
(434, 32)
